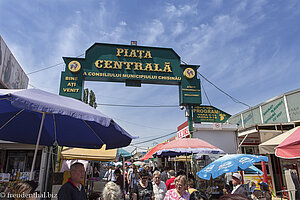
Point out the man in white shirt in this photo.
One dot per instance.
(110, 175)
(238, 188)
(159, 187)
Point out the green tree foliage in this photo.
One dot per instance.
(86, 96)
(89, 97)
(93, 99)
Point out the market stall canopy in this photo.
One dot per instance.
(33, 116)
(150, 153)
(187, 146)
(268, 147)
(24, 114)
(290, 147)
(69, 153)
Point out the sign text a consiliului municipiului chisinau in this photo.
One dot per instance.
(130, 64)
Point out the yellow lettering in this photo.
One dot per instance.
(148, 54)
(126, 53)
(117, 65)
(156, 68)
(71, 84)
(140, 52)
(132, 53)
(84, 73)
(119, 52)
(107, 64)
(148, 67)
(138, 66)
(98, 63)
(70, 90)
(167, 67)
(69, 78)
(128, 64)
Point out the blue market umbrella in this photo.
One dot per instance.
(229, 163)
(253, 170)
(34, 116)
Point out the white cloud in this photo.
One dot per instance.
(179, 28)
(123, 23)
(68, 40)
(152, 32)
(217, 3)
(180, 11)
(170, 8)
(208, 37)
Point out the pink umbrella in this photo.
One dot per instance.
(290, 147)
(187, 146)
(152, 151)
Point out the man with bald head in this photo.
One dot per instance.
(73, 189)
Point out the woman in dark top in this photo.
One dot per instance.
(119, 178)
(143, 190)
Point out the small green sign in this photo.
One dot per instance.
(190, 89)
(209, 114)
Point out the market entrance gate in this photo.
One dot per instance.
(133, 65)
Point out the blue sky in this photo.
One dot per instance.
(250, 49)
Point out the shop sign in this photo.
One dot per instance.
(133, 65)
(293, 106)
(12, 75)
(183, 132)
(274, 112)
(209, 114)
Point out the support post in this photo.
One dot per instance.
(190, 119)
(36, 146)
(264, 169)
(123, 162)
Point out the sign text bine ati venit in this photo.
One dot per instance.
(133, 65)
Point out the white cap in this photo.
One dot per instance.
(237, 175)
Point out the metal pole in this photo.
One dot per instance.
(187, 167)
(37, 145)
(190, 119)
(48, 169)
(123, 159)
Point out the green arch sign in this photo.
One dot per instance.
(133, 65)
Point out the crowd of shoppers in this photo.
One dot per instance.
(145, 183)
